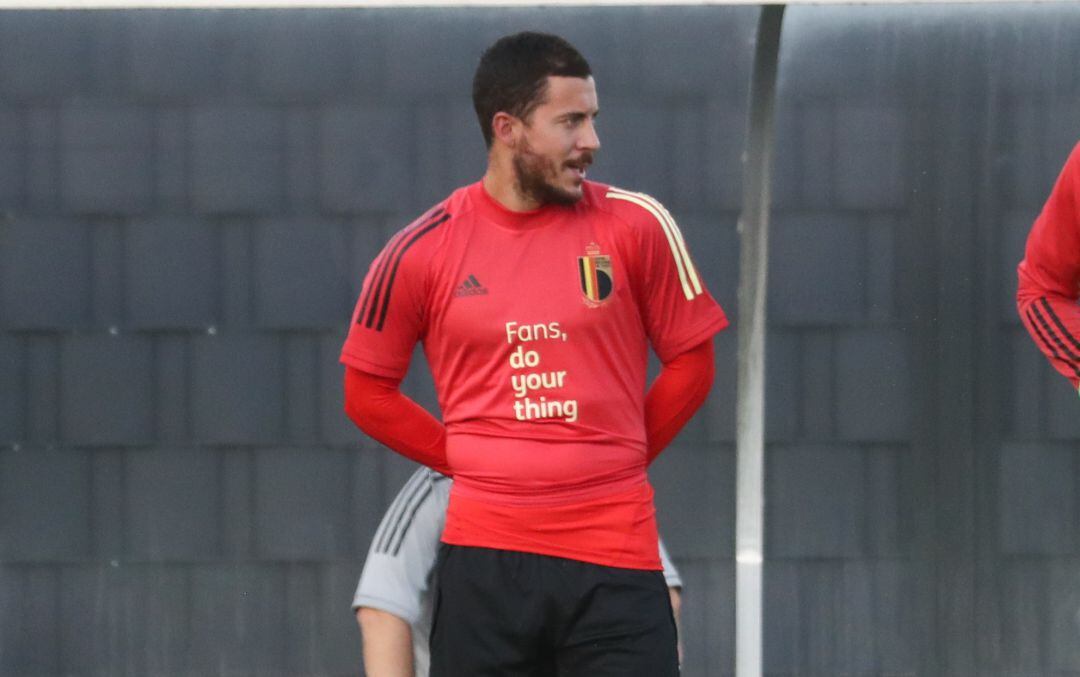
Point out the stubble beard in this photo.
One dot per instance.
(532, 172)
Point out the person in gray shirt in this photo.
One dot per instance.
(394, 599)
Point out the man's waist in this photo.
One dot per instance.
(507, 471)
(616, 529)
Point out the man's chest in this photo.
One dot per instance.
(536, 289)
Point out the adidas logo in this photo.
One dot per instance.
(470, 287)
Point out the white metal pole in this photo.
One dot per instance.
(750, 396)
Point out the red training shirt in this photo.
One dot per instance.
(1050, 274)
(537, 326)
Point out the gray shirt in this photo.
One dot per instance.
(398, 575)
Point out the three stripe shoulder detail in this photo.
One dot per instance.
(1053, 334)
(375, 303)
(688, 277)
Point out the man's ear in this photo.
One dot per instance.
(506, 129)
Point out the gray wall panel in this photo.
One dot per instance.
(238, 619)
(42, 178)
(873, 385)
(302, 387)
(816, 268)
(1038, 487)
(12, 397)
(176, 261)
(334, 426)
(45, 496)
(815, 500)
(301, 504)
(12, 159)
(871, 161)
(108, 505)
(172, 159)
(310, 55)
(690, 506)
(107, 390)
(1063, 580)
(708, 618)
(362, 166)
(717, 411)
(124, 620)
(246, 374)
(181, 58)
(237, 477)
(29, 620)
(46, 273)
(105, 158)
(782, 398)
(1060, 400)
(238, 154)
(300, 271)
(173, 505)
(27, 71)
(637, 128)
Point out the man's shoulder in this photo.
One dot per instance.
(634, 209)
(431, 229)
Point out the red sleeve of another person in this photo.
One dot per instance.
(1050, 273)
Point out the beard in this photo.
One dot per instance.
(537, 177)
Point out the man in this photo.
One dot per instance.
(1050, 275)
(537, 294)
(394, 599)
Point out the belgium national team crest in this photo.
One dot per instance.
(594, 270)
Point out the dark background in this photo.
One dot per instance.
(190, 200)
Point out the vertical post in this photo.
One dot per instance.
(750, 396)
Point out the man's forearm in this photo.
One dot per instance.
(377, 406)
(678, 391)
(387, 643)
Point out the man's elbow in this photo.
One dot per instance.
(704, 366)
(365, 396)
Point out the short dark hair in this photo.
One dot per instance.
(512, 74)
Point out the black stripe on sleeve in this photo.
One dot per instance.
(379, 278)
(1046, 342)
(416, 494)
(395, 546)
(419, 233)
(1058, 322)
(396, 506)
(1070, 357)
(381, 261)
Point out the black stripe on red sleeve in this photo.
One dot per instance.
(1049, 347)
(1070, 358)
(375, 285)
(381, 263)
(413, 238)
(1057, 322)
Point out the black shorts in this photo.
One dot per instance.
(501, 613)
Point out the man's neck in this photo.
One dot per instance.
(500, 184)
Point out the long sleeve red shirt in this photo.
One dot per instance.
(1049, 275)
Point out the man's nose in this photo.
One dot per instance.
(589, 139)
